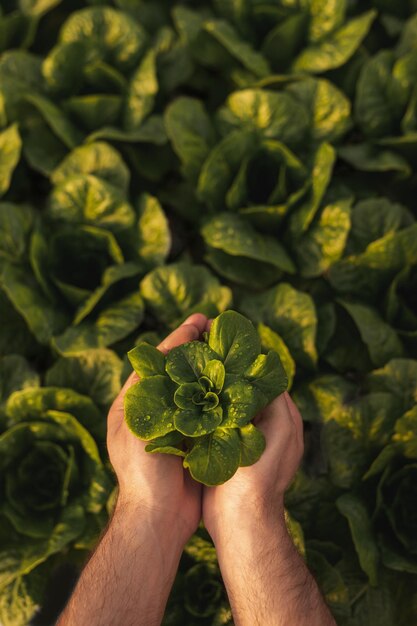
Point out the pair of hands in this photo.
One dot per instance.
(159, 484)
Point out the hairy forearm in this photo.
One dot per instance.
(267, 581)
(128, 579)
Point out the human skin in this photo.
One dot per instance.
(267, 581)
(129, 577)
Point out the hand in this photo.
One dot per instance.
(255, 494)
(266, 579)
(155, 482)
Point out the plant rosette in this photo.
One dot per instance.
(198, 402)
(394, 516)
(53, 483)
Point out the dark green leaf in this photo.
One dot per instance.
(53, 116)
(191, 133)
(197, 422)
(147, 360)
(94, 373)
(366, 273)
(10, 147)
(154, 233)
(215, 372)
(328, 107)
(241, 402)
(99, 159)
(141, 93)
(290, 313)
(113, 323)
(325, 242)
(149, 407)
(360, 526)
(337, 47)
(369, 158)
(214, 459)
(270, 340)
(252, 444)
(112, 35)
(187, 363)
(15, 225)
(382, 341)
(247, 257)
(42, 316)
(270, 113)
(168, 444)
(235, 340)
(90, 200)
(267, 374)
(239, 49)
(15, 374)
(176, 291)
(323, 163)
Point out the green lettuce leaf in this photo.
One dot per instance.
(98, 159)
(147, 360)
(142, 90)
(191, 133)
(15, 374)
(269, 113)
(96, 373)
(154, 234)
(239, 253)
(235, 340)
(270, 340)
(42, 317)
(382, 341)
(10, 148)
(149, 407)
(174, 292)
(337, 47)
(291, 314)
(111, 324)
(15, 225)
(214, 458)
(84, 198)
(325, 242)
(111, 35)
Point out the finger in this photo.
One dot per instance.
(276, 422)
(297, 418)
(208, 325)
(197, 319)
(183, 334)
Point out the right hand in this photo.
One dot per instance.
(155, 484)
(255, 494)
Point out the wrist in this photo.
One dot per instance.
(250, 532)
(150, 525)
(234, 524)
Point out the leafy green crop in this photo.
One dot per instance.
(199, 401)
(52, 478)
(161, 158)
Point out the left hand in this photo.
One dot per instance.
(155, 484)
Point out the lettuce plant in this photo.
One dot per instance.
(198, 402)
(384, 526)
(53, 482)
(160, 158)
(394, 516)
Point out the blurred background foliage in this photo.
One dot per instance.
(160, 158)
